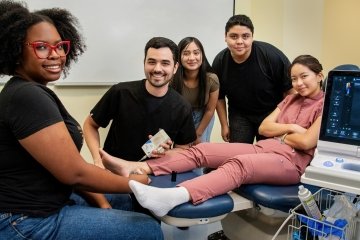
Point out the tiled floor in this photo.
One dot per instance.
(251, 225)
(198, 232)
(245, 225)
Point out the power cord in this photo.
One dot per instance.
(282, 226)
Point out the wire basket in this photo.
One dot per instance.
(303, 227)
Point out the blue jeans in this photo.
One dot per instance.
(80, 221)
(197, 116)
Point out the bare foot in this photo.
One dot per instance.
(117, 165)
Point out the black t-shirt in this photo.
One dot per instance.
(135, 114)
(25, 186)
(256, 86)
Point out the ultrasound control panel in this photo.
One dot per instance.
(342, 164)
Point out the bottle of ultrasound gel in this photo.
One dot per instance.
(309, 203)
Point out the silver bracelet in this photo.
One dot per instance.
(282, 140)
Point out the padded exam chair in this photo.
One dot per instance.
(264, 205)
(281, 198)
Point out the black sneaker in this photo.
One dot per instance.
(219, 235)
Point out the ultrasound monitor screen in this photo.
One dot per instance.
(341, 114)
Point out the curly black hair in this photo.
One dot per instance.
(16, 19)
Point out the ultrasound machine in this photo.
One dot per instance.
(336, 163)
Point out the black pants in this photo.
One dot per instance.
(245, 128)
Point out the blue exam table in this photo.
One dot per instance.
(276, 197)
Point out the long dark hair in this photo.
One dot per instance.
(178, 81)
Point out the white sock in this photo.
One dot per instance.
(159, 200)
